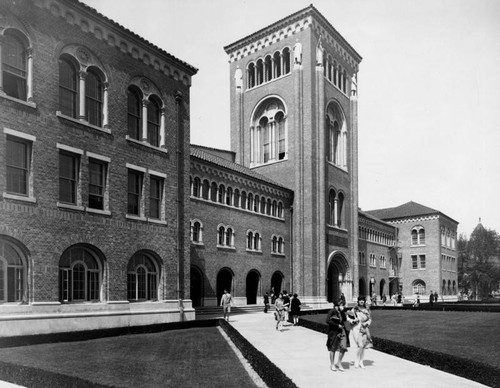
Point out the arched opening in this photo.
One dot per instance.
(252, 286)
(336, 277)
(382, 287)
(224, 282)
(13, 271)
(142, 277)
(276, 283)
(196, 287)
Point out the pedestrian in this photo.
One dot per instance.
(266, 302)
(431, 298)
(225, 302)
(374, 299)
(295, 309)
(360, 330)
(286, 304)
(342, 298)
(336, 342)
(417, 302)
(384, 299)
(279, 314)
(435, 297)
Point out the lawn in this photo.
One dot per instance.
(195, 357)
(471, 335)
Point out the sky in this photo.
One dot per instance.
(428, 88)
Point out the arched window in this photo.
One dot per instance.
(268, 69)
(196, 231)
(277, 64)
(337, 136)
(340, 210)
(196, 187)
(268, 133)
(256, 242)
(68, 87)
(229, 196)
(222, 193)
(419, 287)
(221, 235)
(154, 112)
(205, 190)
(12, 273)
(134, 108)
(286, 60)
(262, 205)
(331, 203)
(260, 72)
(79, 275)
(142, 278)
(236, 198)
(250, 240)
(274, 208)
(418, 235)
(268, 207)
(250, 201)
(256, 204)
(213, 192)
(14, 65)
(251, 75)
(280, 209)
(94, 90)
(274, 244)
(229, 237)
(281, 245)
(243, 199)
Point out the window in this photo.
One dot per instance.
(94, 90)
(373, 260)
(336, 205)
(268, 69)
(196, 231)
(18, 165)
(418, 235)
(337, 136)
(135, 179)
(220, 235)
(14, 65)
(153, 122)
(97, 183)
(68, 82)
(155, 196)
(222, 193)
(414, 262)
(196, 187)
(254, 241)
(205, 189)
(382, 262)
(422, 261)
(12, 273)
(225, 236)
(250, 240)
(268, 133)
(134, 107)
(79, 275)
(419, 287)
(69, 166)
(277, 245)
(142, 278)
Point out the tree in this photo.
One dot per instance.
(479, 262)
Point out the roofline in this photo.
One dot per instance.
(299, 14)
(422, 215)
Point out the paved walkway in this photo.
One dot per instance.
(302, 355)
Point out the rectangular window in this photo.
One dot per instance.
(155, 196)
(422, 261)
(134, 192)
(18, 165)
(68, 177)
(414, 262)
(281, 140)
(97, 183)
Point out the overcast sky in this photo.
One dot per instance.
(429, 88)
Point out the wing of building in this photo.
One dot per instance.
(110, 217)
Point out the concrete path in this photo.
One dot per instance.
(302, 355)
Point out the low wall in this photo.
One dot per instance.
(54, 317)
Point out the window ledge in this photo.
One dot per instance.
(278, 254)
(269, 81)
(226, 247)
(254, 250)
(198, 243)
(145, 144)
(272, 161)
(343, 169)
(157, 221)
(417, 245)
(19, 197)
(70, 206)
(134, 217)
(82, 122)
(97, 211)
(22, 102)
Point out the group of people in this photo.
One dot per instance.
(284, 306)
(433, 297)
(341, 324)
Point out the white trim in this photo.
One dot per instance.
(157, 221)
(158, 174)
(82, 122)
(135, 217)
(98, 157)
(69, 149)
(21, 135)
(27, 103)
(70, 206)
(137, 168)
(19, 197)
(97, 211)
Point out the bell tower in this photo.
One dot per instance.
(294, 119)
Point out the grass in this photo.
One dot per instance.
(195, 357)
(470, 335)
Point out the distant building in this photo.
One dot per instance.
(427, 250)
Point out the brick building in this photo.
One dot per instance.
(94, 187)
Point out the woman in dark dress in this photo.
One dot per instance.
(337, 339)
(295, 309)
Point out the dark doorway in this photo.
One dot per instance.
(276, 283)
(362, 287)
(224, 282)
(382, 287)
(196, 287)
(333, 282)
(252, 287)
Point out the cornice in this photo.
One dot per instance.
(115, 35)
(307, 18)
(415, 219)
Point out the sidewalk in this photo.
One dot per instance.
(302, 355)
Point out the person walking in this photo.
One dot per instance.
(280, 312)
(295, 309)
(225, 302)
(286, 304)
(435, 297)
(360, 331)
(336, 342)
(431, 298)
(266, 302)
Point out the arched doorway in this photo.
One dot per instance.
(224, 282)
(362, 287)
(196, 287)
(337, 277)
(382, 287)
(252, 286)
(276, 283)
